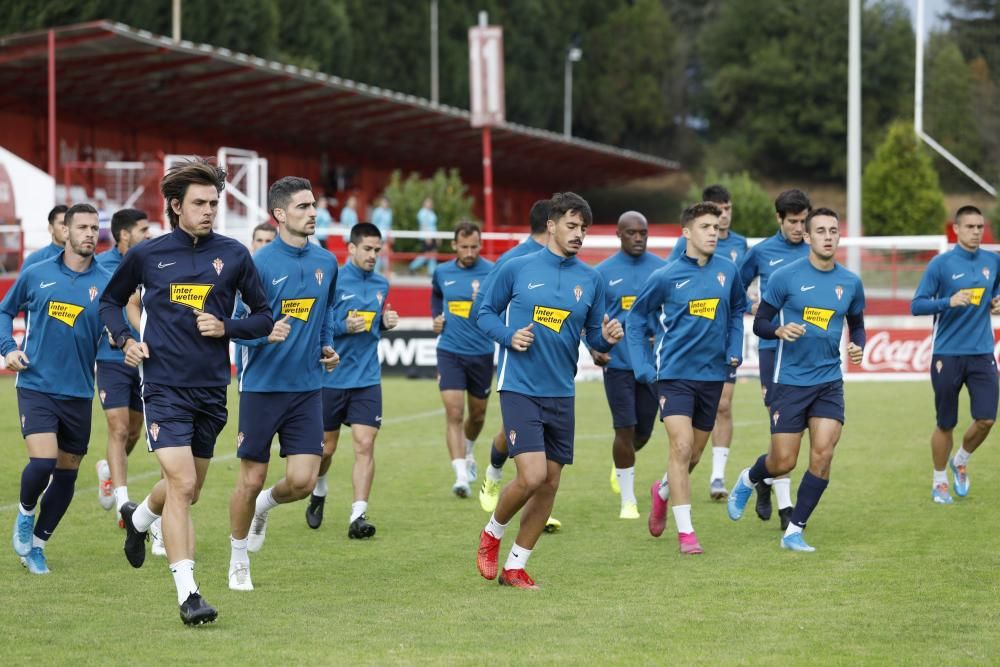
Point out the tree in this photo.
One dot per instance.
(452, 202)
(901, 194)
(753, 210)
(948, 109)
(975, 25)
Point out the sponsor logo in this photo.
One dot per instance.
(550, 318)
(64, 312)
(297, 308)
(775, 262)
(534, 285)
(883, 354)
(278, 281)
(45, 285)
(627, 302)
(319, 276)
(512, 436)
(345, 297)
(806, 288)
(369, 316)
(460, 308)
(975, 294)
(615, 282)
(578, 292)
(92, 292)
(217, 265)
(819, 317)
(154, 431)
(956, 276)
(191, 295)
(721, 277)
(161, 265)
(839, 291)
(447, 283)
(703, 308)
(682, 283)
(378, 418)
(103, 394)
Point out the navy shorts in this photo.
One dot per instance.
(465, 372)
(766, 362)
(697, 399)
(68, 418)
(791, 406)
(978, 372)
(119, 386)
(184, 416)
(539, 424)
(632, 403)
(362, 406)
(296, 417)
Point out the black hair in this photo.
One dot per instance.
(539, 216)
(696, 211)
(364, 230)
(791, 201)
(570, 202)
(968, 209)
(56, 210)
(466, 228)
(263, 227)
(191, 172)
(716, 194)
(125, 220)
(281, 191)
(78, 208)
(816, 212)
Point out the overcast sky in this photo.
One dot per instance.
(931, 10)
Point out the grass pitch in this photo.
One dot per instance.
(895, 579)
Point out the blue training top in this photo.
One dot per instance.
(110, 260)
(40, 255)
(696, 313)
(562, 296)
(62, 327)
(453, 291)
(624, 277)
(734, 247)
(362, 293)
(182, 275)
(300, 285)
(819, 300)
(967, 329)
(763, 260)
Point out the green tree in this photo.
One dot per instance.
(975, 25)
(948, 109)
(452, 202)
(901, 194)
(314, 34)
(753, 210)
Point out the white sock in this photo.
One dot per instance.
(719, 457)
(961, 457)
(682, 517)
(745, 477)
(358, 507)
(183, 571)
(37, 542)
(143, 517)
(265, 501)
(31, 512)
(495, 528)
(494, 474)
(470, 445)
(239, 551)
(320, 490)
(518, 558)
(783, 492)
(626, 482)
(121, 497)
(940, 477)
(461, 469)
(664, 489)
(792, 529)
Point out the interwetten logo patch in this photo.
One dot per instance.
(703, 308)
(460, 308)
(191, 295)
(550, 318)
(64, 312)
(819, 317)
(297, 308)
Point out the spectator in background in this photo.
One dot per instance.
(349, 217)
(323, 220)
(427, 222)
(58, 231)
(382, 218)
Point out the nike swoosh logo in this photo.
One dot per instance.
(956, 276)
(45, 284)
(615, 282)
(775, 261)
(161, 265)
(682, 284)
(533, 285)
(449, 282)
(379, 418)
(806, 289)
(275, 281)
(345, 297)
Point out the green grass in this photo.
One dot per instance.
(896, 579)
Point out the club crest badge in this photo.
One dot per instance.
(663, 401)
(512, 436)
(154, 431)
(578, 292)
(378, 295)
(239, 439)
(938, 365)
(319, 276)
(839, 291)
(775, 417)
(23, 418)
(93, 291)
(733, 254)
(217, 265)
(721, 277)
(475, 289)
(103, 394)
(986, 274)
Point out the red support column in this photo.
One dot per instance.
(488, 188)
(52, 104)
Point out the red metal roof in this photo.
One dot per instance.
(109, 71)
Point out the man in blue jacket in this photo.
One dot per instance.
(804, 308)
(694, 306)
(352, 394)
(791, 209)
(960, 289)
(464, 353)
(190, 279)
(57, 231)
(632, 403)
(55, 377)
(118, 385)
(282, 375)
(547, 299)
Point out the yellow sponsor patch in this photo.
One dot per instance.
(975, 295)
(297, 308)
(460, 308)
(192, 295)
(818, 316)
(550, 318)
(703, 308)
(65, 312)
(369, 316)
(627, 302)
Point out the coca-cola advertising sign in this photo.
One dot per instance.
(900, 351)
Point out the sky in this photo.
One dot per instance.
(931, 10)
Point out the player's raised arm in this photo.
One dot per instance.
(117, 295)
(499, 294)
(637, 329)
(260, 321)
